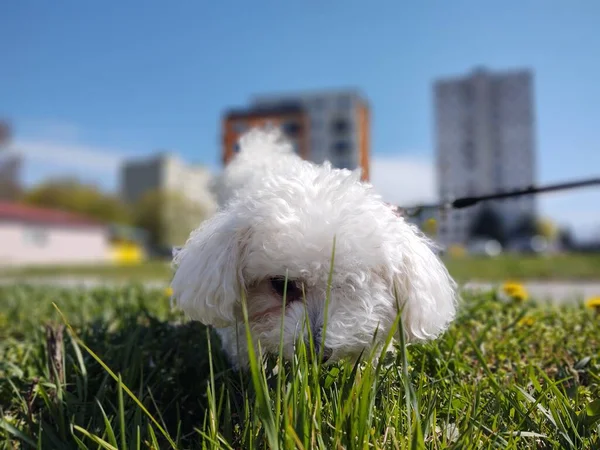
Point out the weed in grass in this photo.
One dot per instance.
(492, 381)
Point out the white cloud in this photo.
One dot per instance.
(78, 156)
(410, 180)
(47, 158)
(404, 180)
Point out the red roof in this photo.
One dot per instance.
(24, 213)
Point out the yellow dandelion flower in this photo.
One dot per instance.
(515, 290)
(526, 321)
(520, 295)
(593, 303)
(511, 286)
(169, 291)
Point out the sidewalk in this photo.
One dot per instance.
(557, 292)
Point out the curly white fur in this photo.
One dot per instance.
(279, 214)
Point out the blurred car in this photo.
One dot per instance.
(535, 244)
(484, 247)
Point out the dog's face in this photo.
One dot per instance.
(287, 229)
(352, 303)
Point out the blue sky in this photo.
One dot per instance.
(87, 84)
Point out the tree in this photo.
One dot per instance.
(168, 217)
(10, 165)
(10, 187)
(488, 224)
(74, 196)
(5, 134)
(547, 229)
(526, 227)
(565, 237)
(529, 226)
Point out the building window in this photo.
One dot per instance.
(340, 126)
(35, 236)
(469, 153)
(341, 148)
(316, 125)
(292, 128)
(314, 146)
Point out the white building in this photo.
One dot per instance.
(339, 124)
(167, 173)
(38, 236)
(485, 143)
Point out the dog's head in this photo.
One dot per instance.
(286, 228)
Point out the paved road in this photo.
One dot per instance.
(545, 291)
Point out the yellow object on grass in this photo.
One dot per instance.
(526, 321)
(127, 253)
(593, 303)
(456, 251)
(430, 226)
(516, 291)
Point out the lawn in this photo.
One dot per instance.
(506, 375)
(150, 270)
(555, 267)
(469, 268)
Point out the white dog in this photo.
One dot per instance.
(279, 216)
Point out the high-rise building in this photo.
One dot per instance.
(485, 143)
(323, 126)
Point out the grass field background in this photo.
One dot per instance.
(506, 375)
(549, 267)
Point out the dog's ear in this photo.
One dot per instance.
(426, 292)
(208, 271)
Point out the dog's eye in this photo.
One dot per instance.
(293, 291)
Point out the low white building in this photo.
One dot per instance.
(169, 174)
(39, 236)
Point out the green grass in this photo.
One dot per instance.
(556, 267)
(151, 270)
(493, 381)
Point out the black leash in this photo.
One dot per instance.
(465, 202)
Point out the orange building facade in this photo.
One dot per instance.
(321, 128)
